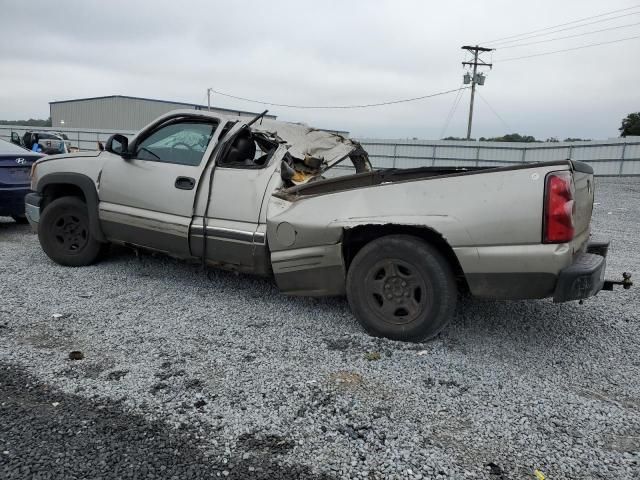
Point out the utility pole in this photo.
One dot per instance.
(209, 99)
(477, 62)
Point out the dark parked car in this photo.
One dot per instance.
(51, 143)
(15, 166)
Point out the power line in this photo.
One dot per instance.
(391, 102)
(456, 102)
(568, 49)
(571, 36)
(563, 24)
(509, 129)
(452, 111)
(501, 44)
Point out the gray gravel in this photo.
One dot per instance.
(70, 436)
(242, 377)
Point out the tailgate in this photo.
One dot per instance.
(584, 191)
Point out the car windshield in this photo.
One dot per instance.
(182, 142)
(195, 138)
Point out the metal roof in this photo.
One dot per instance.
(193, 105)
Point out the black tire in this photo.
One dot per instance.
(402, 288)
(20, 219)
(64, 233)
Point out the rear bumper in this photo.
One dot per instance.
(538, 271)
(585, 277)
(32, 209)
(12, 200)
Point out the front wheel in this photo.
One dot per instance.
(402, 288)
(64, 233)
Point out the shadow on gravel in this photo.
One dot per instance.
(530, 321)
(7, 225)
(153, 265)
(48, 434)
(189, 273)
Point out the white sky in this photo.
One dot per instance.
(330, 52)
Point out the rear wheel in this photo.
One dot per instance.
(64, 233)
(400, 287)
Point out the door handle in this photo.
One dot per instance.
(185, 183)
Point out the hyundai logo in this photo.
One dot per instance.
(20, 161)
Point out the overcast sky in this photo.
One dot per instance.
(327, 53)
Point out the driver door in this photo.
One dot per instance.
(148, 200)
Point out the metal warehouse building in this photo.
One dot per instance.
(120, 112)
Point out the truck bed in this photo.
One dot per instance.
(491, 217)
(392, 175)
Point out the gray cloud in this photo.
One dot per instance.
(324, 53)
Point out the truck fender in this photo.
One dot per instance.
(88, 188)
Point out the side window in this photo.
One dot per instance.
(249, 150)
(183, 143)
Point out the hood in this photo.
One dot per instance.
(87, 154)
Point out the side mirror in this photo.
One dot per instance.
(118, 144)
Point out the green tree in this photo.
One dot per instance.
(512, 137)
(457, 138)
(32, 122)
(630, 125)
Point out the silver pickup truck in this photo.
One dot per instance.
(306, 207)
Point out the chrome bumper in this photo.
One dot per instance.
(32, 209)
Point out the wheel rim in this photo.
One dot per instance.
(71, 233)
(397, 292)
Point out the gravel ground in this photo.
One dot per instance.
(189, 376)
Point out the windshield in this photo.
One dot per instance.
(181, 142)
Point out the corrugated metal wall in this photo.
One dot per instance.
(108, 113)
(125, 113)
(618, 156)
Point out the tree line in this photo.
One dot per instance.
(630, 126)
(516, 137)
(32, 122)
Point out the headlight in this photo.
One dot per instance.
(33, 169)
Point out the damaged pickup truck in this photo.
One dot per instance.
(267, 198)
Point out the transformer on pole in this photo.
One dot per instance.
(475, 77)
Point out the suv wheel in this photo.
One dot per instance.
(64, 233)
(400, 287)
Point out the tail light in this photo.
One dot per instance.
(559, 207)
